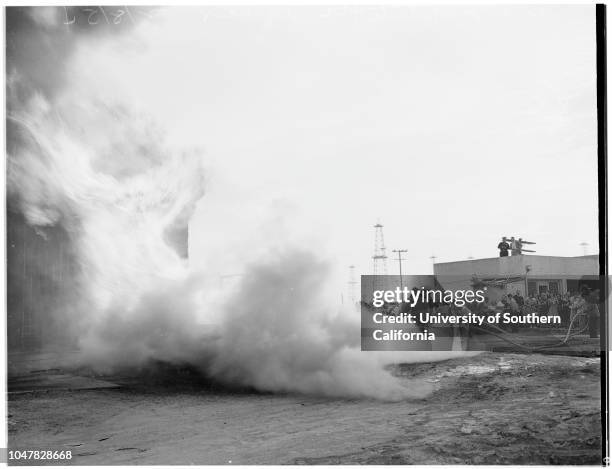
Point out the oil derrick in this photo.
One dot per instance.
(379, 257)
(399, 259)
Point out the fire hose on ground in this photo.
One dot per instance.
(568, 334)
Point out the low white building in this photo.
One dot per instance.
(523, 273)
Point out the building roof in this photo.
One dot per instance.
(522, 265)
(525, 256)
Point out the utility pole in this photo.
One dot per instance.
(527, 270)
(399, 259)
(584, 248)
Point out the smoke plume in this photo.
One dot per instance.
(101, 168)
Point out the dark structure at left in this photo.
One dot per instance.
(43, 272)
(41, 269)
(42, 277)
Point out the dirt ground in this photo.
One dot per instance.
(490, 409)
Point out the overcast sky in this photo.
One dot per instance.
(453, 126)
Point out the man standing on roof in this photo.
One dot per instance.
(515, 247)
(503, 247)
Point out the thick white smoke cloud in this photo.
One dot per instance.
(115, 203)
(101, 168)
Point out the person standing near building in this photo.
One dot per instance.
(553, 307)
(577, 306)
(503, 247)
(564, 309)
(519, 299)
(514, 247)
(591, 298)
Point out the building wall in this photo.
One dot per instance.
(519, 270)
(516, 265)
(41, 271)
(42, 276)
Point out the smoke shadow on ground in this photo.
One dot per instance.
(159, 377)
